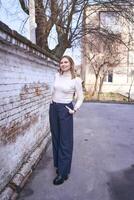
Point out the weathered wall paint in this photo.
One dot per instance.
(26, 76)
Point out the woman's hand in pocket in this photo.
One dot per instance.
(70, 110)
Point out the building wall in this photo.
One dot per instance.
(26, 76)
(122, 77)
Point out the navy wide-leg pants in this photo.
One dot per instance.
(61, 126)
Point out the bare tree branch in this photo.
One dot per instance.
(68, 17)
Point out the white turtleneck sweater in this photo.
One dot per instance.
(65, 87)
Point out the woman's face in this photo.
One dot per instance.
(65, 65)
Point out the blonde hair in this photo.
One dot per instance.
(72, 69)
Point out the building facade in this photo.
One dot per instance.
(108, 51)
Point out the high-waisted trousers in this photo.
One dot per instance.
(61, 126)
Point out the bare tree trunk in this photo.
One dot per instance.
(95, 85)
(43, 25)
(59, 51)
(62, 46)
(100, 87)
(129, 92)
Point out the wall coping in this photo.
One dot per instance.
(12, 37)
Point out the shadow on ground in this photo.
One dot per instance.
(121, 184)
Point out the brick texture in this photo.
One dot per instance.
(26, 76)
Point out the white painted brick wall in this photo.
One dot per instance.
(25, 82)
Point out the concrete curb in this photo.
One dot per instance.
(16, 184)
(110, 102)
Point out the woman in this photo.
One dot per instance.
(66, 85)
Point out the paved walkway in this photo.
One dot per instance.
(103, 158)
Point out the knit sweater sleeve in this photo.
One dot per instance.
(79, 93)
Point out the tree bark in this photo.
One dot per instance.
(95, 85)
(100, 87)
(43, 25)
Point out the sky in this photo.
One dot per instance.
(12, 15)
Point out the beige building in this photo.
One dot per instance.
(108, 59)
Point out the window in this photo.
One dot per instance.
(111, 21)
(109, 77)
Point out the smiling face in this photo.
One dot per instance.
(65, 64)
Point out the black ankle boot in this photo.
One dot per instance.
(59, 179)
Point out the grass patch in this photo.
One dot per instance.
(113, 97)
